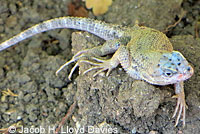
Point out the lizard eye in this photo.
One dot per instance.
(168, 73)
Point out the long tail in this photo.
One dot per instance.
(101, 29)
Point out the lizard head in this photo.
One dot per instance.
(172, 67)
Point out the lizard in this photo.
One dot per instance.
(144, 53)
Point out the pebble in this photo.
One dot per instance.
(12, 8)
(27, 98)
(1, 29)
(32, 117)
(23, 78)
(11, 21)
(30, 108)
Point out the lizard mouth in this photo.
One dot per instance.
(186, 74)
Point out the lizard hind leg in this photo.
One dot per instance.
(119, 57)
(108, 47)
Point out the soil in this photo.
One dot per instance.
(119, 102)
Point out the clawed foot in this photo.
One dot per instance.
(99, 64)
(75, 58)
(180, 108)
(102, 65)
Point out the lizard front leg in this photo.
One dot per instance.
(121, 56)
(181, 105)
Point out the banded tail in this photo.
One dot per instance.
(101, 29)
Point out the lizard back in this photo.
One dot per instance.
(147, 39)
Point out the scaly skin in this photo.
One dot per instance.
(145, 53)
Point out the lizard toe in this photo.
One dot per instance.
(103, 65)
(75, 58)
(180, 109)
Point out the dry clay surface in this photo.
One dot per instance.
(117, 101)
